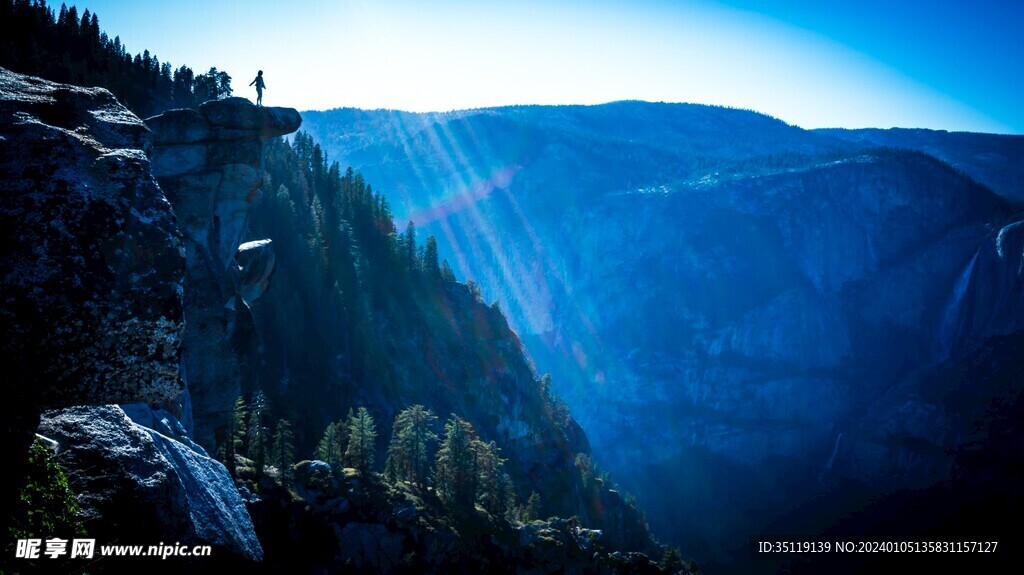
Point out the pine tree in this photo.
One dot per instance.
(282, 451)
(556, 409)
(455, 471)
(494, 488)
(72, 21)
(430, 265)
(474, 290)
(235, 437)
(256, 439)
(409, 246)
(672, 561)
(362, 436)
(332, 446)
(240, 416)
(588, 471)
(411, 439)
(447, 275)
(532, 510)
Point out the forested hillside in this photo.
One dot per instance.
(360, 315)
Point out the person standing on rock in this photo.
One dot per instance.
(259, 87)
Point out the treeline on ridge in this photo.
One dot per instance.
(65, 47)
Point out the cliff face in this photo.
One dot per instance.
(93, 302)
(208, 163)
(92, 270)
(93, 261)
(787, 320)
(735, 310)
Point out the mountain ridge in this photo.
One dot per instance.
(710, 293)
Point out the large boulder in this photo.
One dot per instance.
(256, 265)
(208, 161)
(137, 486)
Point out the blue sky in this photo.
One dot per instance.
(934, 64)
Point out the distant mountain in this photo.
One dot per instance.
(720, 297)
(995, 160)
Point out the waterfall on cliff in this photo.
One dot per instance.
(949, 330)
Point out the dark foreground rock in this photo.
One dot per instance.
(93, 260)
(92, 266)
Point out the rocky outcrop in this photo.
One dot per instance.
(92, 292)
(256, 265)
(208, 163)
(90, 295)
(138, 486)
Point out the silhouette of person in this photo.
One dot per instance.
(259, 87)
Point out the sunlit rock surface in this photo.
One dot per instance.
(256, 264)
(138, 486)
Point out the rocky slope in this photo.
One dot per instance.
(736, 310)
(341, 522)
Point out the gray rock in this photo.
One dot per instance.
(162, 422)
(237, 118)
(256, 265)
(93, 262)
(137, 486)
(92, 265)
(315, 480)
(180, 160)
(185, 126)
(406, 515)
(208, 163)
